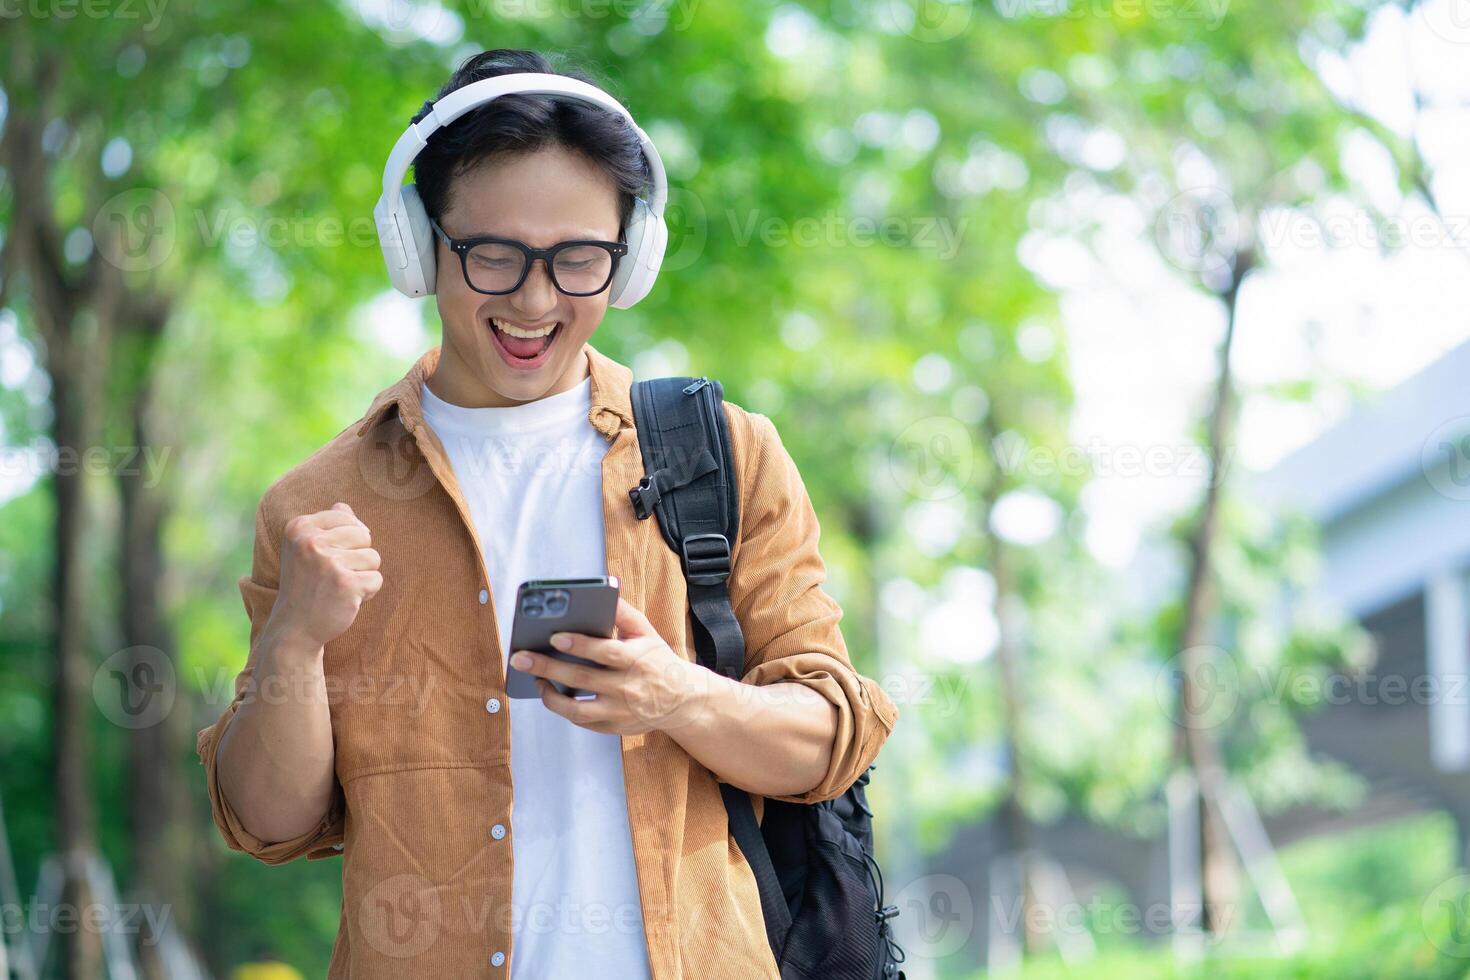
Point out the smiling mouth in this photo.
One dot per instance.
(522, 351)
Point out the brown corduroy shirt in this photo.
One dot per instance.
(417, 686)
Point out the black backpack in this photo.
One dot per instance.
(820, 888)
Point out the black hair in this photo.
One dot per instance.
(516, 124)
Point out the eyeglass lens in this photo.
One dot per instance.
(578, 269)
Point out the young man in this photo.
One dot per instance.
(545, 838)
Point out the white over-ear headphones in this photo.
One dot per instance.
(403, 226)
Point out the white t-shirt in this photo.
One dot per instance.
(531, 475)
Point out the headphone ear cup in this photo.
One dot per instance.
(407, 242)
(421, 271)
(658, 242)
(647, 237)
(620, 291)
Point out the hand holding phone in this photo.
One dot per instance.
(547, 606)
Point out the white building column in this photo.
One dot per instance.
(1447, 660)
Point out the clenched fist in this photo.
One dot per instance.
(328, 567)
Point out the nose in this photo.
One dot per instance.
(537, 294)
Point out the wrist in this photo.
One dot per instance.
(292, 646)
(698, 703)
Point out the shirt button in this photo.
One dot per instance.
(493, 705)
(484, 597)
(497, 958)
(498, 832)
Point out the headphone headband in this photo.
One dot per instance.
(462, 100)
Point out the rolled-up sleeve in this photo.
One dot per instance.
(791, 624)
(258, 589)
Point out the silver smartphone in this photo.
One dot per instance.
(547, 606)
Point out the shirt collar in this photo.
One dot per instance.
(612, 407)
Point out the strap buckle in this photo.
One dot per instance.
(706, 558)
(645, 496)
(667, 479)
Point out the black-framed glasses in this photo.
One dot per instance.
(500, 265)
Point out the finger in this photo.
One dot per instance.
(368, 583)
(303, 528)
(328, 519)
(630, 621)
(346, 536)
(573, 675)
(585, 713)
(599, 649)
(360, 559)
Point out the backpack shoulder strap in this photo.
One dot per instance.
(689, 483)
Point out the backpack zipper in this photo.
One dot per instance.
(698, 384)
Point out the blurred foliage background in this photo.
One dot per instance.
(191, 288)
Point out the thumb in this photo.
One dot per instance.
(631, 622)
(340, 505)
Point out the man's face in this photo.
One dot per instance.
(540, 199)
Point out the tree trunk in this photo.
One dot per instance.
(1197, 743)
(71, 313)
(76, 836)
(157, 823)
(1009, 651)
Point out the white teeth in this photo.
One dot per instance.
(516, 331)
